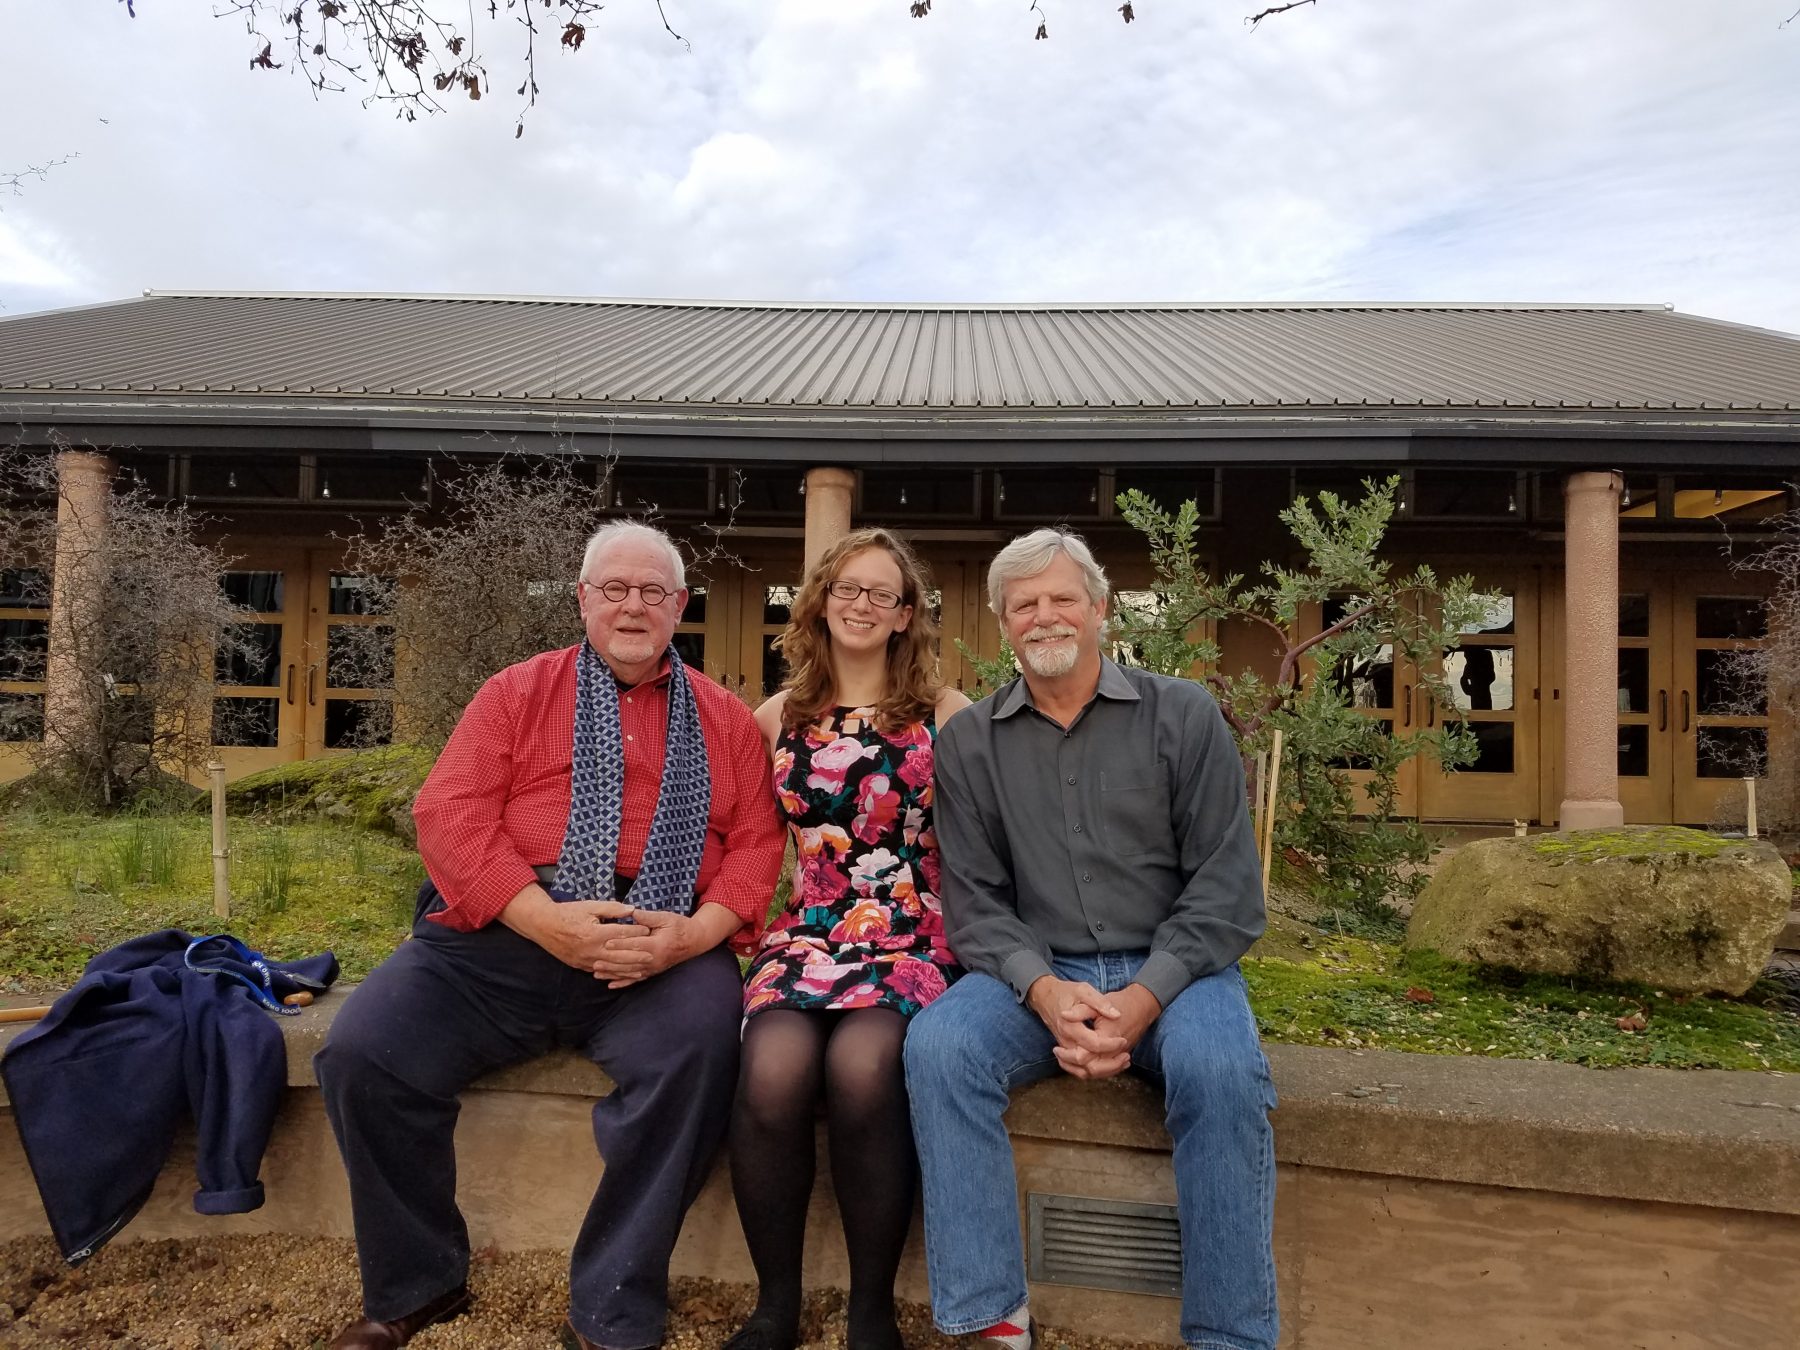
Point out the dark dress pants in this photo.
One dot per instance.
(448, 1007)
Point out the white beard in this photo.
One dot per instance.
(1053, 659)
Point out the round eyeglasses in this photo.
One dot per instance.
(616, 590)
(878, 596)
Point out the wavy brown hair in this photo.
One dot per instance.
(912, 668)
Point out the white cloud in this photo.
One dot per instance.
(1448, 149)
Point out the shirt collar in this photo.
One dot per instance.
(656, 681)
(1113, 685)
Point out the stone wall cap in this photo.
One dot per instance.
(1704, 1137)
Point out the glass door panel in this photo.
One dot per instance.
(258, 716)
(1721, 717)
(1494, 686)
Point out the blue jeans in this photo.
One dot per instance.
(971, 1047)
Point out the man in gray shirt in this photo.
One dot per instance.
(1100, 881)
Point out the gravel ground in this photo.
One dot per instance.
(281, 1293)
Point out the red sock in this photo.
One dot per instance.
(1012, 1332)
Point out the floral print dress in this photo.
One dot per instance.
(862, 928)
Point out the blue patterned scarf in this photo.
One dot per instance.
(590, 848)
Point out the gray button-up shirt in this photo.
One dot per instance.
(1129, 830)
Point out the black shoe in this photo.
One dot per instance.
(764, 1331)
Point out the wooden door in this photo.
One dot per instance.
(1720, 721)
(259, 686)
(1494, 686)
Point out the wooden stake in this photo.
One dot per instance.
(221, 855)
(1268, 820)
(23, 1014)
(1257, 803)
(1750, 807)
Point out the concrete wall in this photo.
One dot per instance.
(1481, 1204)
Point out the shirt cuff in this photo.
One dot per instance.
(1164, 976)
(1023, 969)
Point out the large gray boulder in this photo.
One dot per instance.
(1675, 908)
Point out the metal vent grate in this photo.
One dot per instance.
(1105, 1244)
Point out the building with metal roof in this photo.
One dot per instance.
(784, 423)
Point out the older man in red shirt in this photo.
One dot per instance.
(597, 828)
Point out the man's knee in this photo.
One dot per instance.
(1226, 1070)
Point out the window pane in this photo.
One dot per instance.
(269, 476)
(1634, 616)
(1480, 678)
(1729, 683)
(1634, 679)
(1634, 752)
(1731, 752)
(769, 492)
(774, 669)
(260, 591)
(1493, 748)
(1497, 618)
(696, 605)
(670, 491)
(24, 588)
(24, 648)
(251, 655)
(1169, 488)
(1479, 493)
(1729, 616)
(691, 648)
(246, 721)
(1368, 680)
(353, 723)
(21, 717)
(354, 594)
(778, 604)
(360, 656)
(372, 480)
(1048, 494)
(917, 492)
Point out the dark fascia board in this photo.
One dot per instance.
(1518, 439)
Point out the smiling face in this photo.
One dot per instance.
(859, 624)
(1050, 621)
(628, 633)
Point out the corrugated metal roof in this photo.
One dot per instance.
(903, 358)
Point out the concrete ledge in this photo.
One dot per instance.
(1479, 1204)
(1694, 1137)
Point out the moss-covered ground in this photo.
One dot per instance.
(71, 886)
(1354, 992)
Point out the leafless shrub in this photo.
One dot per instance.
(486, 580)
(140, 632)
(1764, 680)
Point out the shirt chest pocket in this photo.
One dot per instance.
(1134, 811)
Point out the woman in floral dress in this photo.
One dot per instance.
(860, 945)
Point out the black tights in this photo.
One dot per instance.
(855, 1056)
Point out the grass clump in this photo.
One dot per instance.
(1375, 995)
(74, 885)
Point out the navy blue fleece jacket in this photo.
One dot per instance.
(146, 1037)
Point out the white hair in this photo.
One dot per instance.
(615, 530)
(1031, 553)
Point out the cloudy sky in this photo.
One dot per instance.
(1636, 150)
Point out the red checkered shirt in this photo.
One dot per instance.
(497, 801)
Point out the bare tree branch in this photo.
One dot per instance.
(1255, 19)
(14, 182)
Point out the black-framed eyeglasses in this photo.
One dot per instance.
(616, 590)
(879, 596)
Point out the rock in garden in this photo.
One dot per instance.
(1676, 908)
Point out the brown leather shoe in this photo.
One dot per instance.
(571, 1339)
(365, 1334)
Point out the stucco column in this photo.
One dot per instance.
(1591, 652)
(83, 497)
(828, 494)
